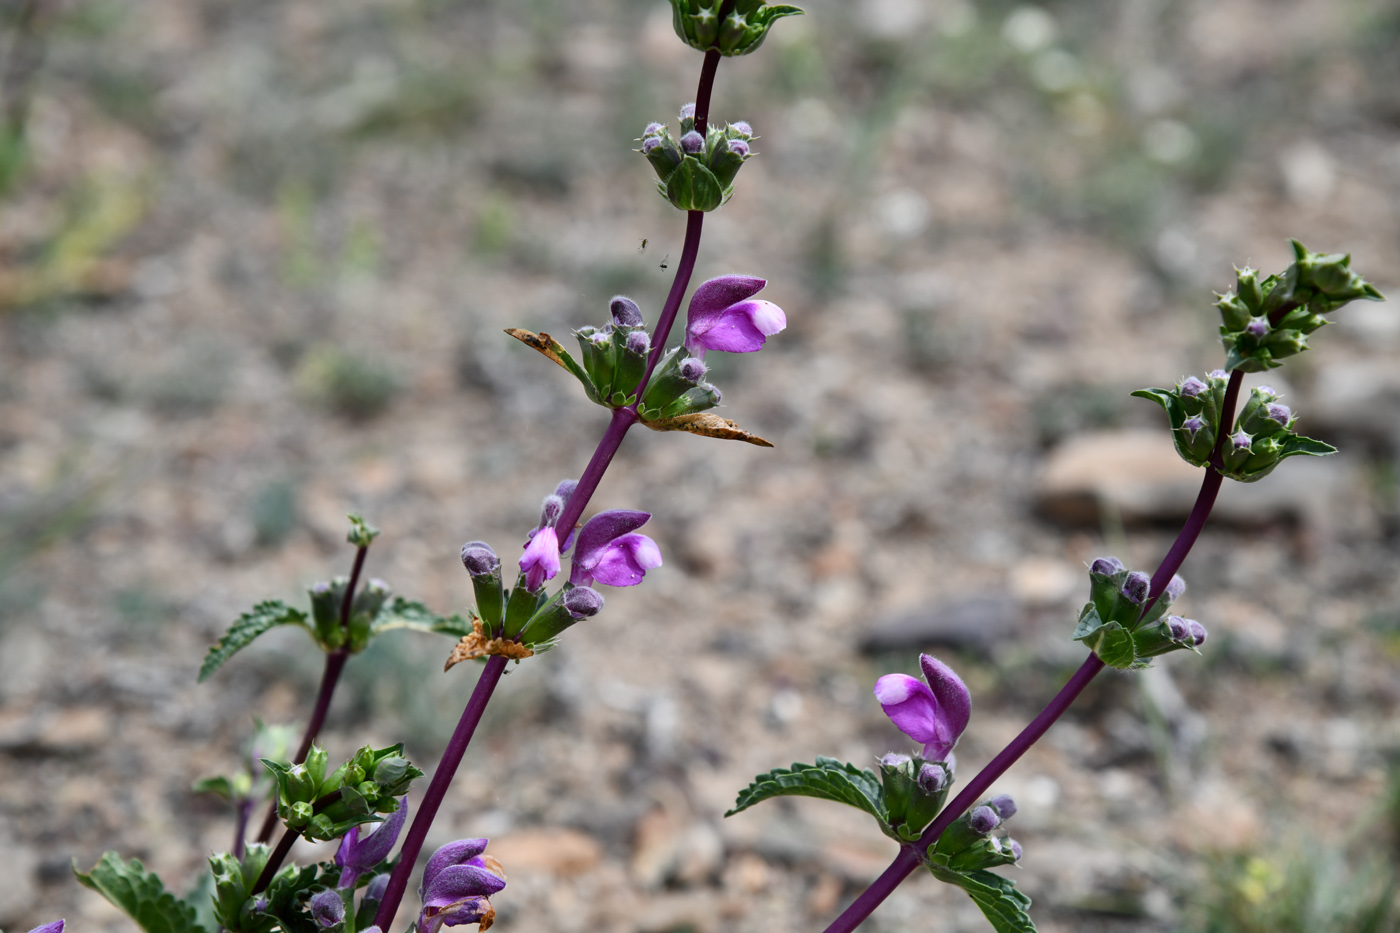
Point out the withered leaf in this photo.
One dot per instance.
(702, 422)
(541, 342)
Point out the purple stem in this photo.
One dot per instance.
(622, 420)
(274, 861)
(437, 789)
(330, 676)
(908, 858)
(245, 810)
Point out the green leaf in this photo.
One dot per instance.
(997, 897)
(411, 614)
(1298, 446)
(693, 187)
(828, 779)
(1089, 622)
(263, 617)
(128, 886)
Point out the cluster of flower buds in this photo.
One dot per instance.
(325, 806)
(914, 792)
(610, 550)
(1262, 436)
(615, 355)
(1114, 625)
(968, 844)
(457, 886)
(699, 26)
(1264, 321)
(696, 172)
(327, 599)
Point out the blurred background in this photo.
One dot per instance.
(255, 260)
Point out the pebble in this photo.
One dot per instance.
(973, 625)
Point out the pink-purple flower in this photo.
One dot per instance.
(935, 713)
(358, 854)
(724, 315)
(457, 886)
(611, 551)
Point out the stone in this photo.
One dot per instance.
(563, 853)
(974, 625)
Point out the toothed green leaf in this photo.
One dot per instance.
(263, 617)
(828, 779)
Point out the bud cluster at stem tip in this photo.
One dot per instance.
(1114, 625)
(743, 28)
(696, 171)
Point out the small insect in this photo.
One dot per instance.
(665, 259)
(643, 248)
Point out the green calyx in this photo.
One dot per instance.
(324, 806)
(702, 180)
(670, 395)
(1259, 440)
(1114, 627)
(743, 29)
(913, 805)
(1264, 321)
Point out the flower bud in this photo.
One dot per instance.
(550, 510)
(638, 342)
(1279, 413)
(1106, 566)
(1198, 632)
(652, 130)
(1013, 846)
(1240, 441)
(932, 779)
(688, 113)
(479, 558)
(739, 148)
(894, 760)
(1190, 387)
(1192, 426)
(1136, 586)
(1257, 327)
(1180, 631)
(1218, 374)
(742, 128)
(583, 602)
(692, 370)
(983, 820)
(625, 312)
(328, 909)
(1175, 587)
(374, 891)
(1004, 805)
(692, 143)
(650, 144)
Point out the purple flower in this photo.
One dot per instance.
(358, 855)
(540, 562)
(610, 551)
(55, 927)
(328, 909)
(935, 713)
(724, 315)
(457, 886)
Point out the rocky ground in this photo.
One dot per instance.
(256, 276)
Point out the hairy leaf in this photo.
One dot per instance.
(263, 617)
(997, 897)
(139, 893)
(828, 779)
(411, 614)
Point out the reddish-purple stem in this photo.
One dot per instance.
(622, 420)
(274, 861)
(908, 858)
(437, 789)
(330, 676)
